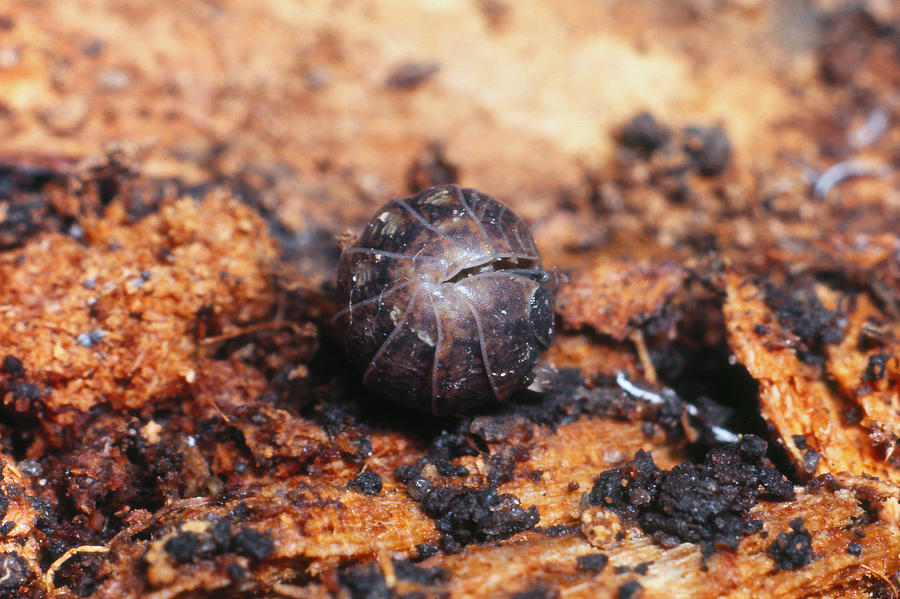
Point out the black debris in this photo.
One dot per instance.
(445, 468)
(854, 549)
(564, 396)
(253, 544)
(411, 75)
(365, 582)
(469, 515)
(425, 550)
(792, 550)
(47, 520)
(464, 514)
(630, 590)
(22, 220)
(501, 465)
(367, 483)
(449, 446)
(800, 311)
(699, 503)
(240, 511)
(236, 572)
(183, 547)
(642, 568)
(406, 570)
(539, 591)
(497, 428)
(419, 488)
(799, 441)
(709, 149)
(14, 367)
(220, 533)
(644, 134)
(446, 447)
(876, 369)
(23, 390)
(872, 335)
(852, 415)
(189, 546)
(562, 530)
(592, 562)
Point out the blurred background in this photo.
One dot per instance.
(318, 111)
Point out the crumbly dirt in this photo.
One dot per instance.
(713, 184)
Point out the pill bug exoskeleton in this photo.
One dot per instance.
(445, 303)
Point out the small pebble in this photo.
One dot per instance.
(367, 483)
(89, 338)
(30, 468)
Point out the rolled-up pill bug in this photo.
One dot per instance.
(445, 301)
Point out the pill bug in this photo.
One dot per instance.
(445, 301)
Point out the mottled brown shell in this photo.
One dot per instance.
(446, 301)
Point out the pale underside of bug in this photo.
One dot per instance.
(446, 301)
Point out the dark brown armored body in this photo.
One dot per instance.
(446, 301)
